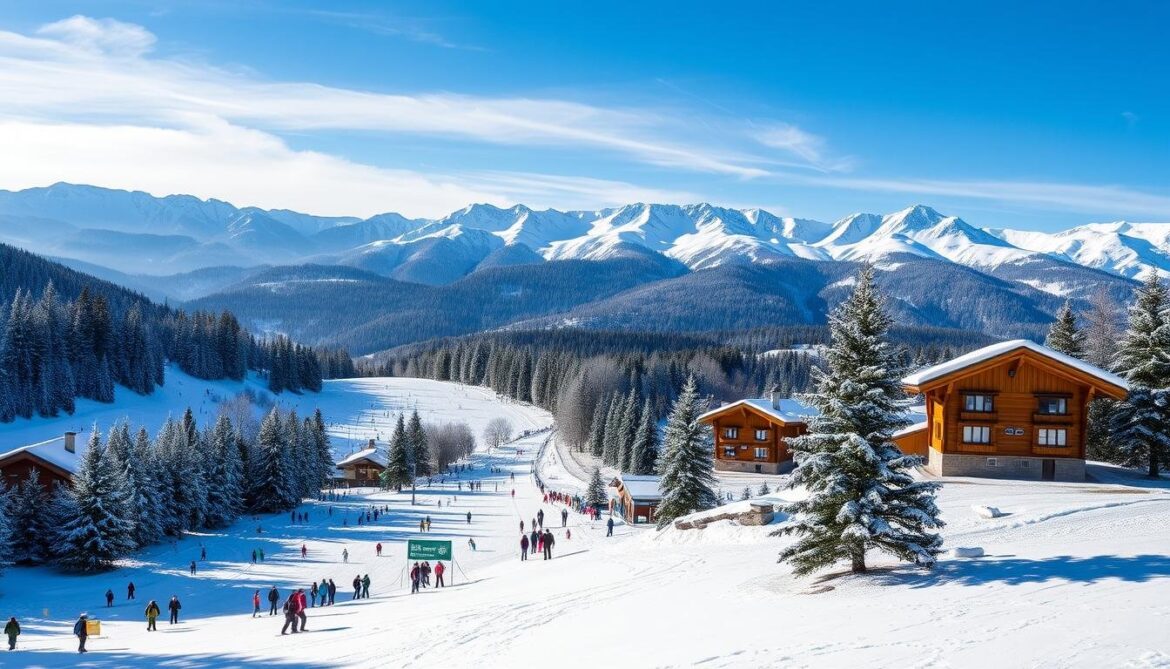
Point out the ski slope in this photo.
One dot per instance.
(1075, 575)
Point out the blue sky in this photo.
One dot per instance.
(1032, 115)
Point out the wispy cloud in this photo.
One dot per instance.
(391, 26)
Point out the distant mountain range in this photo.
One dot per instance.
(388, 280)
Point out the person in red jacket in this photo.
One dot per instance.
(255, 603)
(439, 569)
(379, 548)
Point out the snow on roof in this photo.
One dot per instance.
(642, 487)
(910, 429)
(372, 454)
(787, 411)
(995, 350)
(52, 451)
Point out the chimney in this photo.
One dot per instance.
(775, 395)
(372, 444)
(71, 442)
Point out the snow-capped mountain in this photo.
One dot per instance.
(138, 233)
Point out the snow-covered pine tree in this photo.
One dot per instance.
(397, 472)
(1064, 335)
(612, 439)
(1143, 359)
(271, 485)
(861, 494)
(1101, 334)
(148, 526)
(629, 432)
(324, 451)
(416, 438)
(688, 481)
(6, 501)
(595, 493)
(597, 429)
(100, 530)
(645, 455)
(225, 481)
(764, 489)
(30, 536)
(747, 492)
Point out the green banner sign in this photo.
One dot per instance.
(425, 549)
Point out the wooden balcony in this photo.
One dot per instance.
(1052, 418)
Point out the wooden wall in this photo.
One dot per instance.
(748, 422)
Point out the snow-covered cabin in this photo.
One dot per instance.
(362, 468)
(56, 460)
(750, 434)
(635, 497)
(1015, 409)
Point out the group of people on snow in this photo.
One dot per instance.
(420, 575)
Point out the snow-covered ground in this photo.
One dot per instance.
(1075, 575)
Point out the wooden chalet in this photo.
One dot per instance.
(635, 497)
(750, 434)
(1010, 410)
(362, 468)
(55, 459)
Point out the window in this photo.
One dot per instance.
(978, 403)
(1049, 436)
(729, 452)
(976, 434)
(731, 433)
(1053, 406)
(761, 454)
(761, 435)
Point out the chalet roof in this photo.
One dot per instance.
(372, 454)
(787, 411)
(641, 486)
(1003, 348)
(51, 451)
(910, 429)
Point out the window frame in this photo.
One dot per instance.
(763, 431)
(731, 432)
(1041, 405)
(1045, 434)
(978, 402)
(976, 430)
(729, 452)
(758, 450)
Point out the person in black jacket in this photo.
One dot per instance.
(523, 547)
(548, 544)
(273, 598)
(81, 631)
(173, 606)
(12, 629)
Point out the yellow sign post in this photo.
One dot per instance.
(93, 628)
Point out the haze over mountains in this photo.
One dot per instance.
(639, 266)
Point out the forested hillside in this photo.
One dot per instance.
(67, 335)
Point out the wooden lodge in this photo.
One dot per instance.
(750, 434)
(1010, 410)
(56, 460)
(363, 468)
(635, 497)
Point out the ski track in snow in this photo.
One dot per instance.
(1076, 575)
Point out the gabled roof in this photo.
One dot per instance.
(640, 486)
(788, 410)
(987, 353)
(51, 452)
(372, 454)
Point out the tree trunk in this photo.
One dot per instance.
(1153, 463)
(859, 562)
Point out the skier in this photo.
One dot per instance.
(255, 603)
(428, 519)
(471, 543)
(12, 629)
(253, 556)
(357, 587)
(378, 548)
(80, 631)
(304, 551)
(109, 598)
(468, 517)
(203, 553)
(130, 591)
(174, 607)
(533, 540)
(273, 598)
(521, 527)
(568, 533)
(540, 518)
(332, 591)
(290, 614)
(261, 554)
(548, 544)
(422, 525)
(313, 594)
(366, 586)
(564, 517)
(439, 569)
(415, 575)
(153, 612)
(609, 527)
(345, 555)
(192, 567)
(302, 604)
(523, 547)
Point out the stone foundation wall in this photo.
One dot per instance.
(1005, 467)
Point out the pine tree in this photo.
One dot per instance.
(688, 484)
(613, 428)
(397, 472)
(149, 522)
(416, 438)
(595, 493)
(746, 494)
(1064, 336)
(271, 485)
(1143, 359)
(6, 501)
(861, 494)
(764, 489)
(644, 459)
(597, 429)
(226, 479)
(324, 450)
(628, 432)
(30, 535)
(100, 530)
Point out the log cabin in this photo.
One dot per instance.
(750, 434)
(56, 460)
(635, 497)
(363, 468)
(1015, 409)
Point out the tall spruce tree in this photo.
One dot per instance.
(595, 492)
(31, 529)
(861, 494)
(688, 481)
(1143, 359)
(416, 438)
(397, 472)
(597, 429)
(644, 459)
(271, 485)
(100, 530)
(1064, 335)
